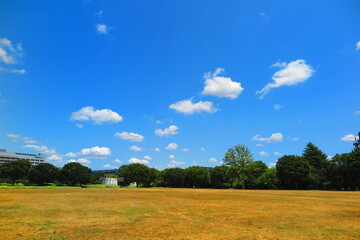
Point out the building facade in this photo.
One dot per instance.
(34, 159)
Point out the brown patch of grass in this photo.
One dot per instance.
(159, 213)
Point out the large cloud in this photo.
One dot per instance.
(41, 149)
(290, 74)
(188, 107)
(349, 138)
(9, 54)
(96, 152)
(171, 130)
(97, 116)
(275, 137)
(216, 85)
(130, 136)
(136, 160)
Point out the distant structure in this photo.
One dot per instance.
(108, 171)
(357, 142)
(109, 181)
(34, 159)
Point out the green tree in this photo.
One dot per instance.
(15, 170)
(318, 161)
(138, 173)
(173, 177)
(219, 177)
(253, 171)
(196, 176)
(292, 171)
(337, 172)
(43, 173)
(354, 168)
(238, 158)
(75, 173)
(269, 179)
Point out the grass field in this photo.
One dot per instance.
(157, 213)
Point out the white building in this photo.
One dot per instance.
(34, 159)
(109, 181)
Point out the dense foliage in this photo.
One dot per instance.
(312, 170)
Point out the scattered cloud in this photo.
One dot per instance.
(357, 112)
(78, 125)
(188, 107)
(30, 141)
(349, 138)
(216, 85)
(41, 149)
(290, 74)
(259, 145)
(82, 161)
(264, 16)
(172, 146)
(357, 46)
(185, 150)
(99, 13)
(96, 152)
(177, 162)
(136, 160)
(9, 54)
(109, 166)
(16, 71)
(328, 157)
(295, 139)
(12, 135)
(278, 106)
(117, 161)
(147, 157)
(272, 165)
(135, 148)
(202, 149)
(171, 156)
(263, 154)
(212, 160)
(171, 165)
(171, 130)
(275, 137)
(130, 136)
(102, 28)
(157, 149)
(278, 153)
(71, 155)
(96, 116)
(55, 157)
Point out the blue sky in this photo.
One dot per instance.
(177, 83)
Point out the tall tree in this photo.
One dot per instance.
(196, 176)
(238, 158)
(43, 173)
(253, 171)
(292, 171)
(269, 179)
(174, 177)
(15, 170)
(218, 176)
(75, 173)
(138, 173)
(318, 162)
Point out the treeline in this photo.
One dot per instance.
(312, 170)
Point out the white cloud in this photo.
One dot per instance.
(295, 139)
(71, 155)
(55, 157)
(157, 149)
(109, 166)
(212, 160)
(259, 145)
(275, 137)
(30, 141)
(349, 138)
(290, 74)
(117, 161)
(177, 162)
(172, 156)
(171, 130)
(328, 157)
(82, 161)
(278, 153)
(264, 16)
(172, 146)
(99, 13)
(202, 149)
(357, 112)
(96, 152)
(278, 106)
(188, 107)
(271, 165)
(136, 160)
(102, 28)
(357, 46)
(185, 150)
(42, 149)
(263, 154)
(8, 52)
(97, 116)
(221, 86)
(135, 148)
(147, 157)
(171, 165)
(130, 136)
(12, 135)
(18, 71)
(78, 125)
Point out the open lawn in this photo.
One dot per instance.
(158, 213)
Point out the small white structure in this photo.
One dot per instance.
(109, 181)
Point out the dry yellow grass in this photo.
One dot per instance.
(178, 214)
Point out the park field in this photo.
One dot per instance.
(160, 213)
